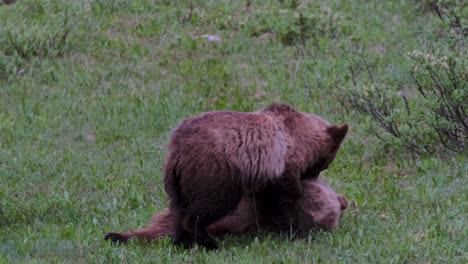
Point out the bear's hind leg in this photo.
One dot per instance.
(193, 229)
(192, 221)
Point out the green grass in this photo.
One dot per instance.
(89, 91)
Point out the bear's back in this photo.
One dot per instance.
(253, 143)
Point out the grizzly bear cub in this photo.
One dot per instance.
(216, 158)
(319, 208)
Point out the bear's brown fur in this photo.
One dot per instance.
(320, 208)
(216, 158)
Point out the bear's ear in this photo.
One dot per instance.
(338, 132)
(343, 202)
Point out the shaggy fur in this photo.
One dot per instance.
(319, 208)
(216, 158)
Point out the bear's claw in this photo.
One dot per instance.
(116, 237)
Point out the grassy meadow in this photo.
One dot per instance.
(89, 91)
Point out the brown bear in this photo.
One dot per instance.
(216, 158)
(319, 208)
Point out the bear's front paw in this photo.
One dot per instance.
(116, 237)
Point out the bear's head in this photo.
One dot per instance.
(327, 144)
(315, 141)
(320, 206)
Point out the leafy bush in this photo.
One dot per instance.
(442, 80)
(423, 114)
(452, 11)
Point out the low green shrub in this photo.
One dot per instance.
(426, 113)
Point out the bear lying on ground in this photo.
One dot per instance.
(319, 208)
(217, 158)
